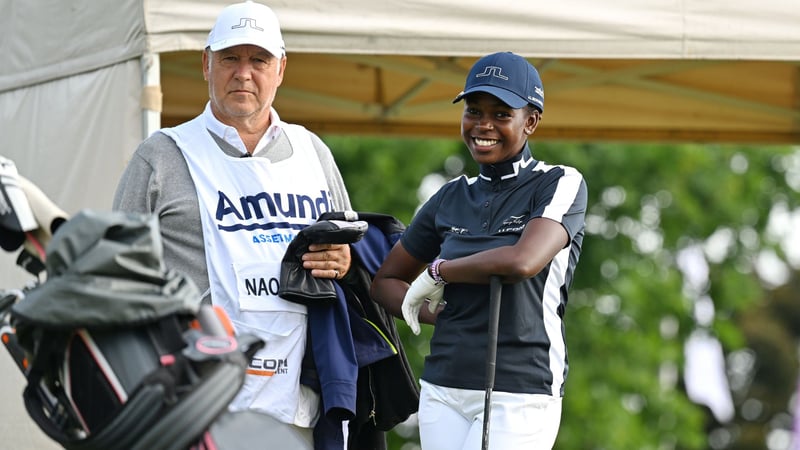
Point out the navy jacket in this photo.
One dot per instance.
(359, 364)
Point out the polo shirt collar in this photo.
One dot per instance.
(508, 168)
(231, 136)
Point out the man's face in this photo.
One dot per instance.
(242, 82)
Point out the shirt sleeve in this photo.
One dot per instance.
(563, 200)
(421, 239)
(334, 178)
(132, 194)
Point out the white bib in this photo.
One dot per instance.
(250, 210)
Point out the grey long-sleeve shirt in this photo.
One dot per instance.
(157, 181)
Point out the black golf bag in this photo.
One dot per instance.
(118, 352)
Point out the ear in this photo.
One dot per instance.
(282, 66)
(205, 63)
(532, 122)
(281, 70)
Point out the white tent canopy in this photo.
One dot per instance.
(82, 80)
(694, 29)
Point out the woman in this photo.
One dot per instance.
(520, 219)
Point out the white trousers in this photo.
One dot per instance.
(452, 419)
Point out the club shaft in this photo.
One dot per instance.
(495, 291)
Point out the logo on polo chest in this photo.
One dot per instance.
(512, 224)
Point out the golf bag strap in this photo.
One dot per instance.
(138, 414)
(36, 401)
(35, 407)
(185, 423)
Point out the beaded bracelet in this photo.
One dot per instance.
(433, 271)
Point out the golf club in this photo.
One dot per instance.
(495, 291)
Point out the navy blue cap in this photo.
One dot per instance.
(507, 76)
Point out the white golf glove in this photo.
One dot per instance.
(422, 288)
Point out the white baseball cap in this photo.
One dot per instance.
(247, 23)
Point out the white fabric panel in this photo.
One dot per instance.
(667, 29)
(743, 29)
(48, 39)
(70, 137)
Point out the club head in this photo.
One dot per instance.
(16, 216)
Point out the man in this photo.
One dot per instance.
(231, 188)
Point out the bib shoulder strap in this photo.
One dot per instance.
(298, 135)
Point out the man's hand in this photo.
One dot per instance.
(422, 288)
(327, 260)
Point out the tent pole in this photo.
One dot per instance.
(151, 99)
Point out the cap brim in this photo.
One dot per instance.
(228, 43)
(505, 96)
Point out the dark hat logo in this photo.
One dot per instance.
(492, 71)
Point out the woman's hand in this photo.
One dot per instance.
(421, 289)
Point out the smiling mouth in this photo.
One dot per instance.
(484, 142)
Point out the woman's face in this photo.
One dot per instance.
(492, 130)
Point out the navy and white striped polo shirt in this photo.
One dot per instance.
(468, 215)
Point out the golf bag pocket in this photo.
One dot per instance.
(102, 370)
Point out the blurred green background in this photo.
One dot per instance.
(697, 241)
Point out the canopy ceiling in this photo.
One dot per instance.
(665, 70)
(586, 99)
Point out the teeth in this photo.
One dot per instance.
(485, 142)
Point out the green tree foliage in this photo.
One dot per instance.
(630, 308)
(764, 393)
(382, 175)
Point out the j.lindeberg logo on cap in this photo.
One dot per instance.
(247, 22)
(492, 71)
